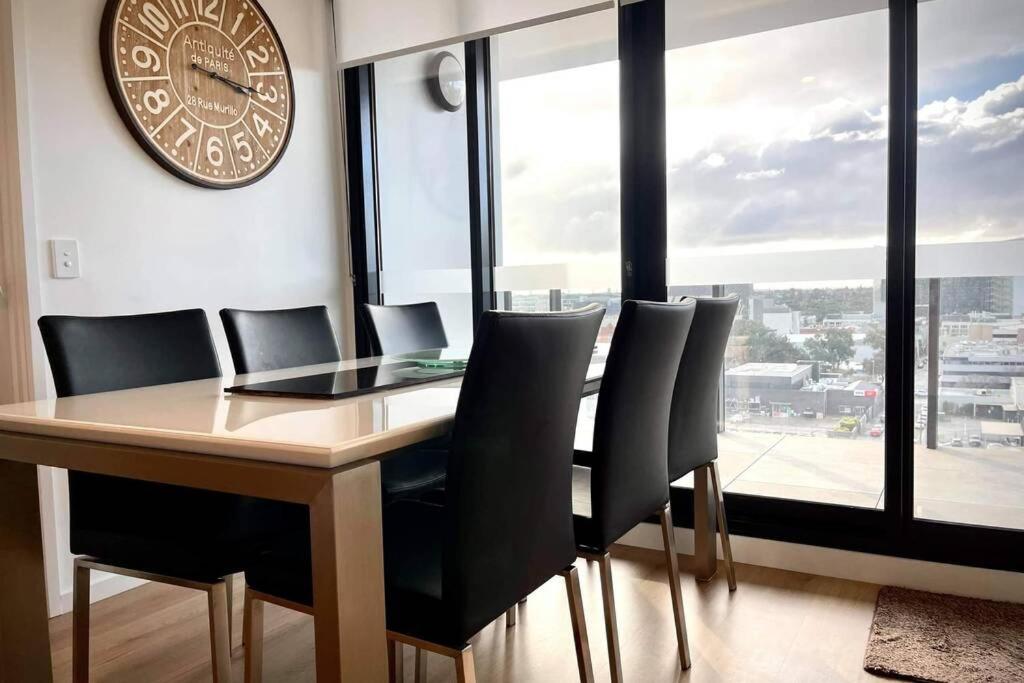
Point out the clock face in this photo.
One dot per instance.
(203, 85)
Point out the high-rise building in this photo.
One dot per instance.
(977, 294)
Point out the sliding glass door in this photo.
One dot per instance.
(777, 192)
(423, 192)
(969, 382)
(850, 170)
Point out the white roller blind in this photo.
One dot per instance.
(369, 30)
(693, 22)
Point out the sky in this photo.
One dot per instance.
(778, 140)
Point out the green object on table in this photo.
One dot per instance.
(447, 364)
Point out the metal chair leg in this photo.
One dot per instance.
(80, 625)
(220, 642)
(252, 634)
(465, 671)
(723, 529)
(510, 616)
(669, 539)
(579, 624)
(610, 620)
(396, 661)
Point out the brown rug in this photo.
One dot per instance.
(944, 638)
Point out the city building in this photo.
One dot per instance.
(787, 389)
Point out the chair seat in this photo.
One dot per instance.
(172, 530)
(197, 560)
(410, 474)
(413, 571)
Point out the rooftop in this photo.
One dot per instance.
(789, 370)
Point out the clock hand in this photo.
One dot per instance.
(242, 89)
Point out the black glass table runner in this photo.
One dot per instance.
(332, 386)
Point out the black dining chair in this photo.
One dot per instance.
(291, 338)
(169, 534)
(271, 340)
(628, 481)
(693, 431)
(504, 525)
(405, 328)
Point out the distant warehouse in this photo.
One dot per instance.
(784, 389)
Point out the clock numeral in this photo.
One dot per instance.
(245, 153)
(146, 58)
(155, 20)
(238, 23)
(179, 8)
(190, 130)
(262, 125)
(269, 96)
(206, 11)
(156, 101)
(262, 56)
(215, 151)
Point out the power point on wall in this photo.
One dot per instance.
(64, 259)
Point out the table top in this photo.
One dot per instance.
(198, 417)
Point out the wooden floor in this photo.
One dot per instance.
(779, 626)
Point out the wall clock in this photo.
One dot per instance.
(447, 81)
(203, 85)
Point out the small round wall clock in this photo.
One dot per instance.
(203, 85)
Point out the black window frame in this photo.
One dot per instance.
(893, 531)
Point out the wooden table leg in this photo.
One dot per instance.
(24, 631)
(705, 548)
(348, 578)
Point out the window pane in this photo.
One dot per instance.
(557, 104)
(777, 165)
(423, 159)
(969, 386)
(557, 173)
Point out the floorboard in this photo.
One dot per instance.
(779, 626)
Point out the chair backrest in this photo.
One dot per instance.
(91, 355)
(400, 329)
(271, 340)
(629, 481)
(693, 434)
(509, 492)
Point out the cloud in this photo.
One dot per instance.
(761, 152)
(714, 160)
(760, 175)
(1007, 98)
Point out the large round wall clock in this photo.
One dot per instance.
(203, 85)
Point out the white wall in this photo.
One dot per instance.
(150, 242)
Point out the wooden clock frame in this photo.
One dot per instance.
(108, 58)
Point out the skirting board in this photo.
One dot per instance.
(971, 582)
(103, 586)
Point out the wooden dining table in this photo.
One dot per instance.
(323, 454)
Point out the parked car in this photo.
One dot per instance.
(809, 414)
(877, 430)
(974, 441)
(957, 441)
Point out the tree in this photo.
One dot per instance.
(833, 348)
(764, 345)
(875, 338)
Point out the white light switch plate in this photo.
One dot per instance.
(64, 254)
